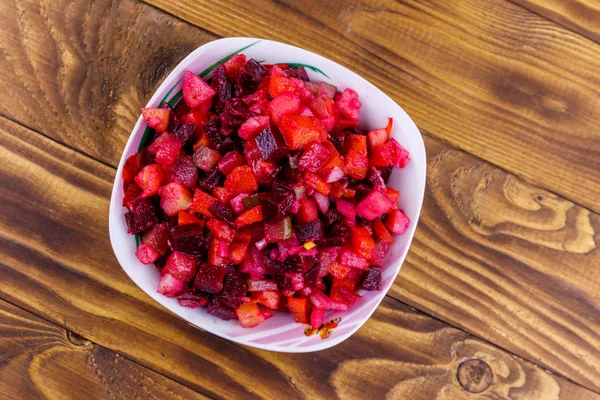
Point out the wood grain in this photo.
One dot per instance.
(57, 263)
(488, 76)
(531, 268)
(581, 16)
(39, 361)
(80, 71)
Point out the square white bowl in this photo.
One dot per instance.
(281, 333)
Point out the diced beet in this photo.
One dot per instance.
(235, 112)
(222, 87)
(209, 278)
(329, 242)
(146, 254)
(188, 239)
(346, 208)
(192, 299)
(271, 145)
(371, 279)
(183, 170)
(386, 172)
(278, 231)
(219, 310)
(211, 180)
(340, 230)
(397, 222)
(311, 276)
(251, 74)
(195, 91)
(173, 119)
(158, 238)
(374, 205)
(277, 206)
(332, 217)
(186, 133)
(312, 230)
(379, 252)
(169, 286)
(234, 65)
(374, 177)
(298, 73)
(212, 129)
(141, 217)
(254, 264)
(223, 211)
(234, 288)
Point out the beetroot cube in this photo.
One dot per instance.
(310, 231)
(311, 276)
(223, 211)
(189, 239)
(215, 308)
(193, 299)
(209, 278)
(222, 87)
(185, 133)
(234, 289)
(251, 74)
(157, 237)
(271, 144)
(252, 126)
(386, 172)
(314, 157)
(211, 180)
(141, 217)
(371, 279)
(329, 242)
(173, 119)
(183, 171)
(379, 252)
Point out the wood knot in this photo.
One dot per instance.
(78, 340)
(475, 376)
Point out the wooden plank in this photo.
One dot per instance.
(42, 360)
(57, 262)
(80, 71)
(488, 76)
(534, 249)
(581, 16)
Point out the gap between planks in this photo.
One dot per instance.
(554, 372)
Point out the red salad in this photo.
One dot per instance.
(260, 192)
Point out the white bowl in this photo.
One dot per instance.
(281, 333)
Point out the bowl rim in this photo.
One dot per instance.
(117, 210)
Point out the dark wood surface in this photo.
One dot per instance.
(504, 263)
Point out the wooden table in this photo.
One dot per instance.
(505, 264)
